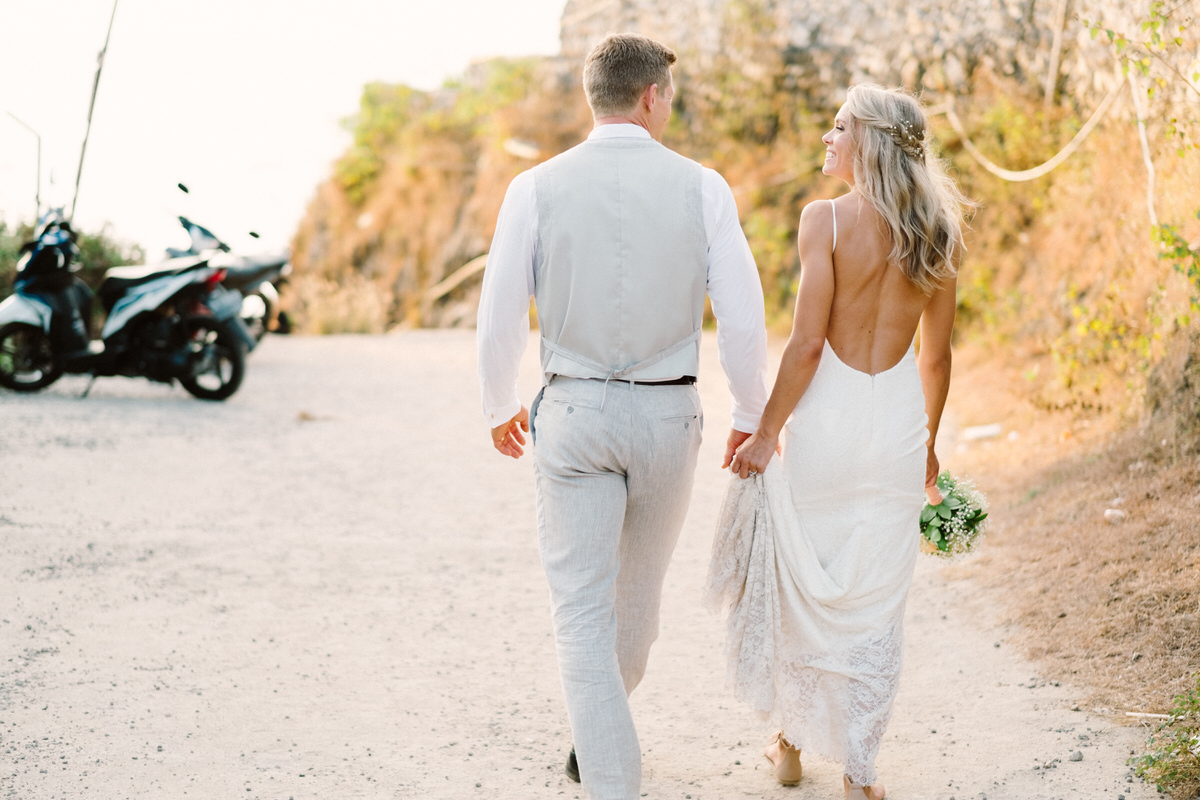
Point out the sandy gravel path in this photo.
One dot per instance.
(328, 587)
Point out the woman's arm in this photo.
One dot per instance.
(933, 362)
(803, 351)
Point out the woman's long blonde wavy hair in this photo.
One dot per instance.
(895, 170)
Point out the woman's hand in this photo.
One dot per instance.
(932, 493)
(754, 455)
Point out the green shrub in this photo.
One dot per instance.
(98, 252)
(1173, 760)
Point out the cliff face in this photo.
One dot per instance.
(416, 197)
(932, 44)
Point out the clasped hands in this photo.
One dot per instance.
(747, 454)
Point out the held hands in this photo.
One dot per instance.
(746, 454)
(509, 438)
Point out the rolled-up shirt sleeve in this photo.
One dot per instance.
(737, 302)
(502, 325)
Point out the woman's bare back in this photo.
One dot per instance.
(875, 310)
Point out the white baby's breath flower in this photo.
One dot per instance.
(954, 526)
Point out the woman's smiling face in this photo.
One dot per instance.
(839, 148)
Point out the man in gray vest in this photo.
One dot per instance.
(618, 240)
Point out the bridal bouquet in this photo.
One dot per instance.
(955, 525)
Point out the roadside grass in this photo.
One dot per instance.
(1111, 605)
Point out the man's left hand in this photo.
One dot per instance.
(509, 438)
(735, 440)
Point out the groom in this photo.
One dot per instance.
(618, 240)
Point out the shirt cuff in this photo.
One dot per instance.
(746, 423)
(501, 414)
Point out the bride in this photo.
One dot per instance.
(814, 556)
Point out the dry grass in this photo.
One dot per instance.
(1113, 608)
(319, 305)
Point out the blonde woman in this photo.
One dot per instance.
(814, 556)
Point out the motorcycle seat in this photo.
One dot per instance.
(247, 270)
(119, 280)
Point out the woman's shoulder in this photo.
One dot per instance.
(817, 215)
(818, 209)
(817, 227)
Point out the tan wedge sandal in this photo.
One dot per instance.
(856, 791)
(785, 759)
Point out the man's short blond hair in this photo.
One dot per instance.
(620, 68)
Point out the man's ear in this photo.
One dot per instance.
(650, 96)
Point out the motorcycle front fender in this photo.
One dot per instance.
(22, 308)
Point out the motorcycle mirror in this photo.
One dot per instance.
(183, 188)
(253, 234)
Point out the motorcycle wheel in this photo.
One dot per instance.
(26, 358)
(216, 360)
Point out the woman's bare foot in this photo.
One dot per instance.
(856, 791)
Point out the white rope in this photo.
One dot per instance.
(1036, 172)
(1141, 126)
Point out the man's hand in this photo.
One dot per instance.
(509, 437)
(734, 441)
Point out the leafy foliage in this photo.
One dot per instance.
(1160, 41)
(1115, 322)
(1158, 52)
(394, 118)
(1184, 257)
(1173, 758)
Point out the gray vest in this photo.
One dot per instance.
(622, 261)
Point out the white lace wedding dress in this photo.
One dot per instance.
(813, 559)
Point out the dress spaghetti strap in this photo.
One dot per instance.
(833, 209)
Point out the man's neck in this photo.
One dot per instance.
(598, 121)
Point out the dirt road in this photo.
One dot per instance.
(328, 587)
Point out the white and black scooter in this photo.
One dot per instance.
(171, 322)
(256, 277)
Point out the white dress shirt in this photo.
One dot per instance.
(733, 288)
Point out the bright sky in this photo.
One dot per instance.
(241, 100)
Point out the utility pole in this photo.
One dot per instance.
(91, 106)
(37, 192)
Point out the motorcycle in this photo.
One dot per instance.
(254, 277)
(165, 322)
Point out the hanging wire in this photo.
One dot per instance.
(1039, 171)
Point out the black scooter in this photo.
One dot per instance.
(166, 322)
(256, 277)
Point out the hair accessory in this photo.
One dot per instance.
(907, 139)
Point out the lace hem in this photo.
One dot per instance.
(836, 705)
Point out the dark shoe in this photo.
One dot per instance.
(572, 767)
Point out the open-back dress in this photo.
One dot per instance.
(812, 561)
